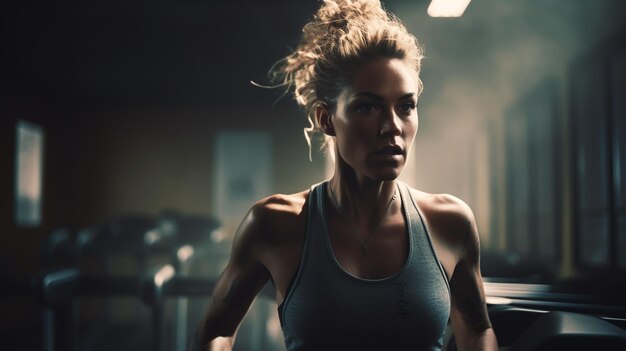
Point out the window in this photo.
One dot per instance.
(532, 176)
(28, 174)
(243, 163)
(599, 149)
(618, 113)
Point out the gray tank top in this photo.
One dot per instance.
(327, 308)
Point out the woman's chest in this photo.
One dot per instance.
(326, 302)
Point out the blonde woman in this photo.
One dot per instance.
(362, 261)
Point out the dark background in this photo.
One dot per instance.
(131, 95)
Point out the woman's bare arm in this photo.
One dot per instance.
(470, 320)
(236, 288)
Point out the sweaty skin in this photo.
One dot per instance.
(375, 111)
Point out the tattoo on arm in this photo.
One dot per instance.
(473, 312)
(468, 299)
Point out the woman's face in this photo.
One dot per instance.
(375, 120)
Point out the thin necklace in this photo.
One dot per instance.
(345, 219)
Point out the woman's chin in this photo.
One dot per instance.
(388, 173)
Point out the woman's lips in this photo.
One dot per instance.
(391, 153)
(390, 150)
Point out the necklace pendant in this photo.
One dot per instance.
(356, 235)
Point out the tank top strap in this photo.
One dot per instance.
(316, 229)
(418, 230)
(313, 241)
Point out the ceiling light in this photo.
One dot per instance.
(447, 8)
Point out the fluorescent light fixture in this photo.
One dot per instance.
(447, 8)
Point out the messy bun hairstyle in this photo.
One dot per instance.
(342, 34)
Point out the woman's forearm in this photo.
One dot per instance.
(485, 341)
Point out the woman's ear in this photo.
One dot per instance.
(324, 119)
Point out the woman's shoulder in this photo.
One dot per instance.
(444, 205)
(279, 215)
(448, 218)
(280, 205)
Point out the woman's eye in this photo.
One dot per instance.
(407, 107)
(367, 108)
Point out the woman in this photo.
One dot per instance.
(360, 262)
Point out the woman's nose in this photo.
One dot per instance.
(390, 124)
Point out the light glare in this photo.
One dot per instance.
(163, 275)
(185, 252)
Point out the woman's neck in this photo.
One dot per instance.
(361, 199)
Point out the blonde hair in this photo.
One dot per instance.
(342, 35)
